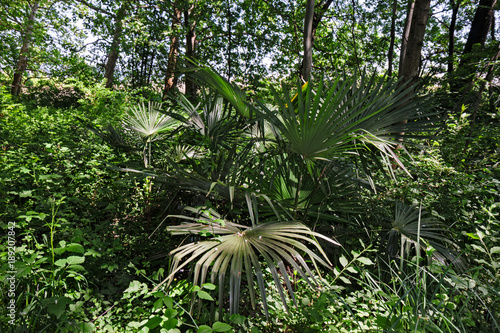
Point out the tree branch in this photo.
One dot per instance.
(97, 9)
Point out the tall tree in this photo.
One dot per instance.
(308, 40)
(114, 50)
(313, 16)
(413, 40)
(26, 30)
(173, 53)
(390, 54)
(455, 6)
(479, 29)
(190, 25)
(108, 21)
(478, 33)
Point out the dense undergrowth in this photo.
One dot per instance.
(91, 242)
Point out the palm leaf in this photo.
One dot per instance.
(231, 93)
(235, 248)
(351, 112)
(148, 122)
(405, 226)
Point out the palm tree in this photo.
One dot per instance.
(150, 124)
(273, 172)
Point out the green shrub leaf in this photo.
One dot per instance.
(204, 329)
(221, 327)
(204, 295)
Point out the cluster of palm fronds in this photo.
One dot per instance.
(274, 172)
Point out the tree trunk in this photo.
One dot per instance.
(173, 53)
(464, 75)
(190, 51)
(22, 63)
(410, 63)
(493, 28)
(480, 27)
(313, 17)
(230, 40)
(451, 34)
(308, 41)
(390, 54)
(411, 45)
(114, 51)
(406, 33)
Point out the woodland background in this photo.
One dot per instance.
(121, 119)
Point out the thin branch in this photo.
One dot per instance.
(97, 9)
(84, 46)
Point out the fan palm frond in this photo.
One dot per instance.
(148, 122)
(213, 120)
(329, 121)
(234, 250)
(409, 223)
(184, 152)
(234, 95)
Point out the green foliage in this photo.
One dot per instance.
(470, 144)
(149, 124)
(352, 115)
(68, 222)
(240, 247)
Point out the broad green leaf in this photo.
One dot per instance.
(364, 260)
(158, 304)
(471, 235)
(74, 260)
(170, 313)
(61, 262)
(171, 323)
(59, 250)
(479, 248)
(56, 305)
(221, 327)
(237, 319)
(208, 286)
(87, 328)
(351, 269)
(204, 295)
(343, 261)
(169, 302)
(75, 247)
(495, 249)
(344, 279)
(204, 329)
(153, 322)
(133, 287)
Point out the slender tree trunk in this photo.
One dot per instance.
(408, 72)
(190, 50)
(319, 12)
(464, 76)
(390, 54)
(493, 27)
(479, 28)
(411, 46)
(353, 28)
(114, 51)
(308, 40)
(22, 63)
(230, 40)
(313, 17)
(173, 53)
(451, 34)
(406, 33)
